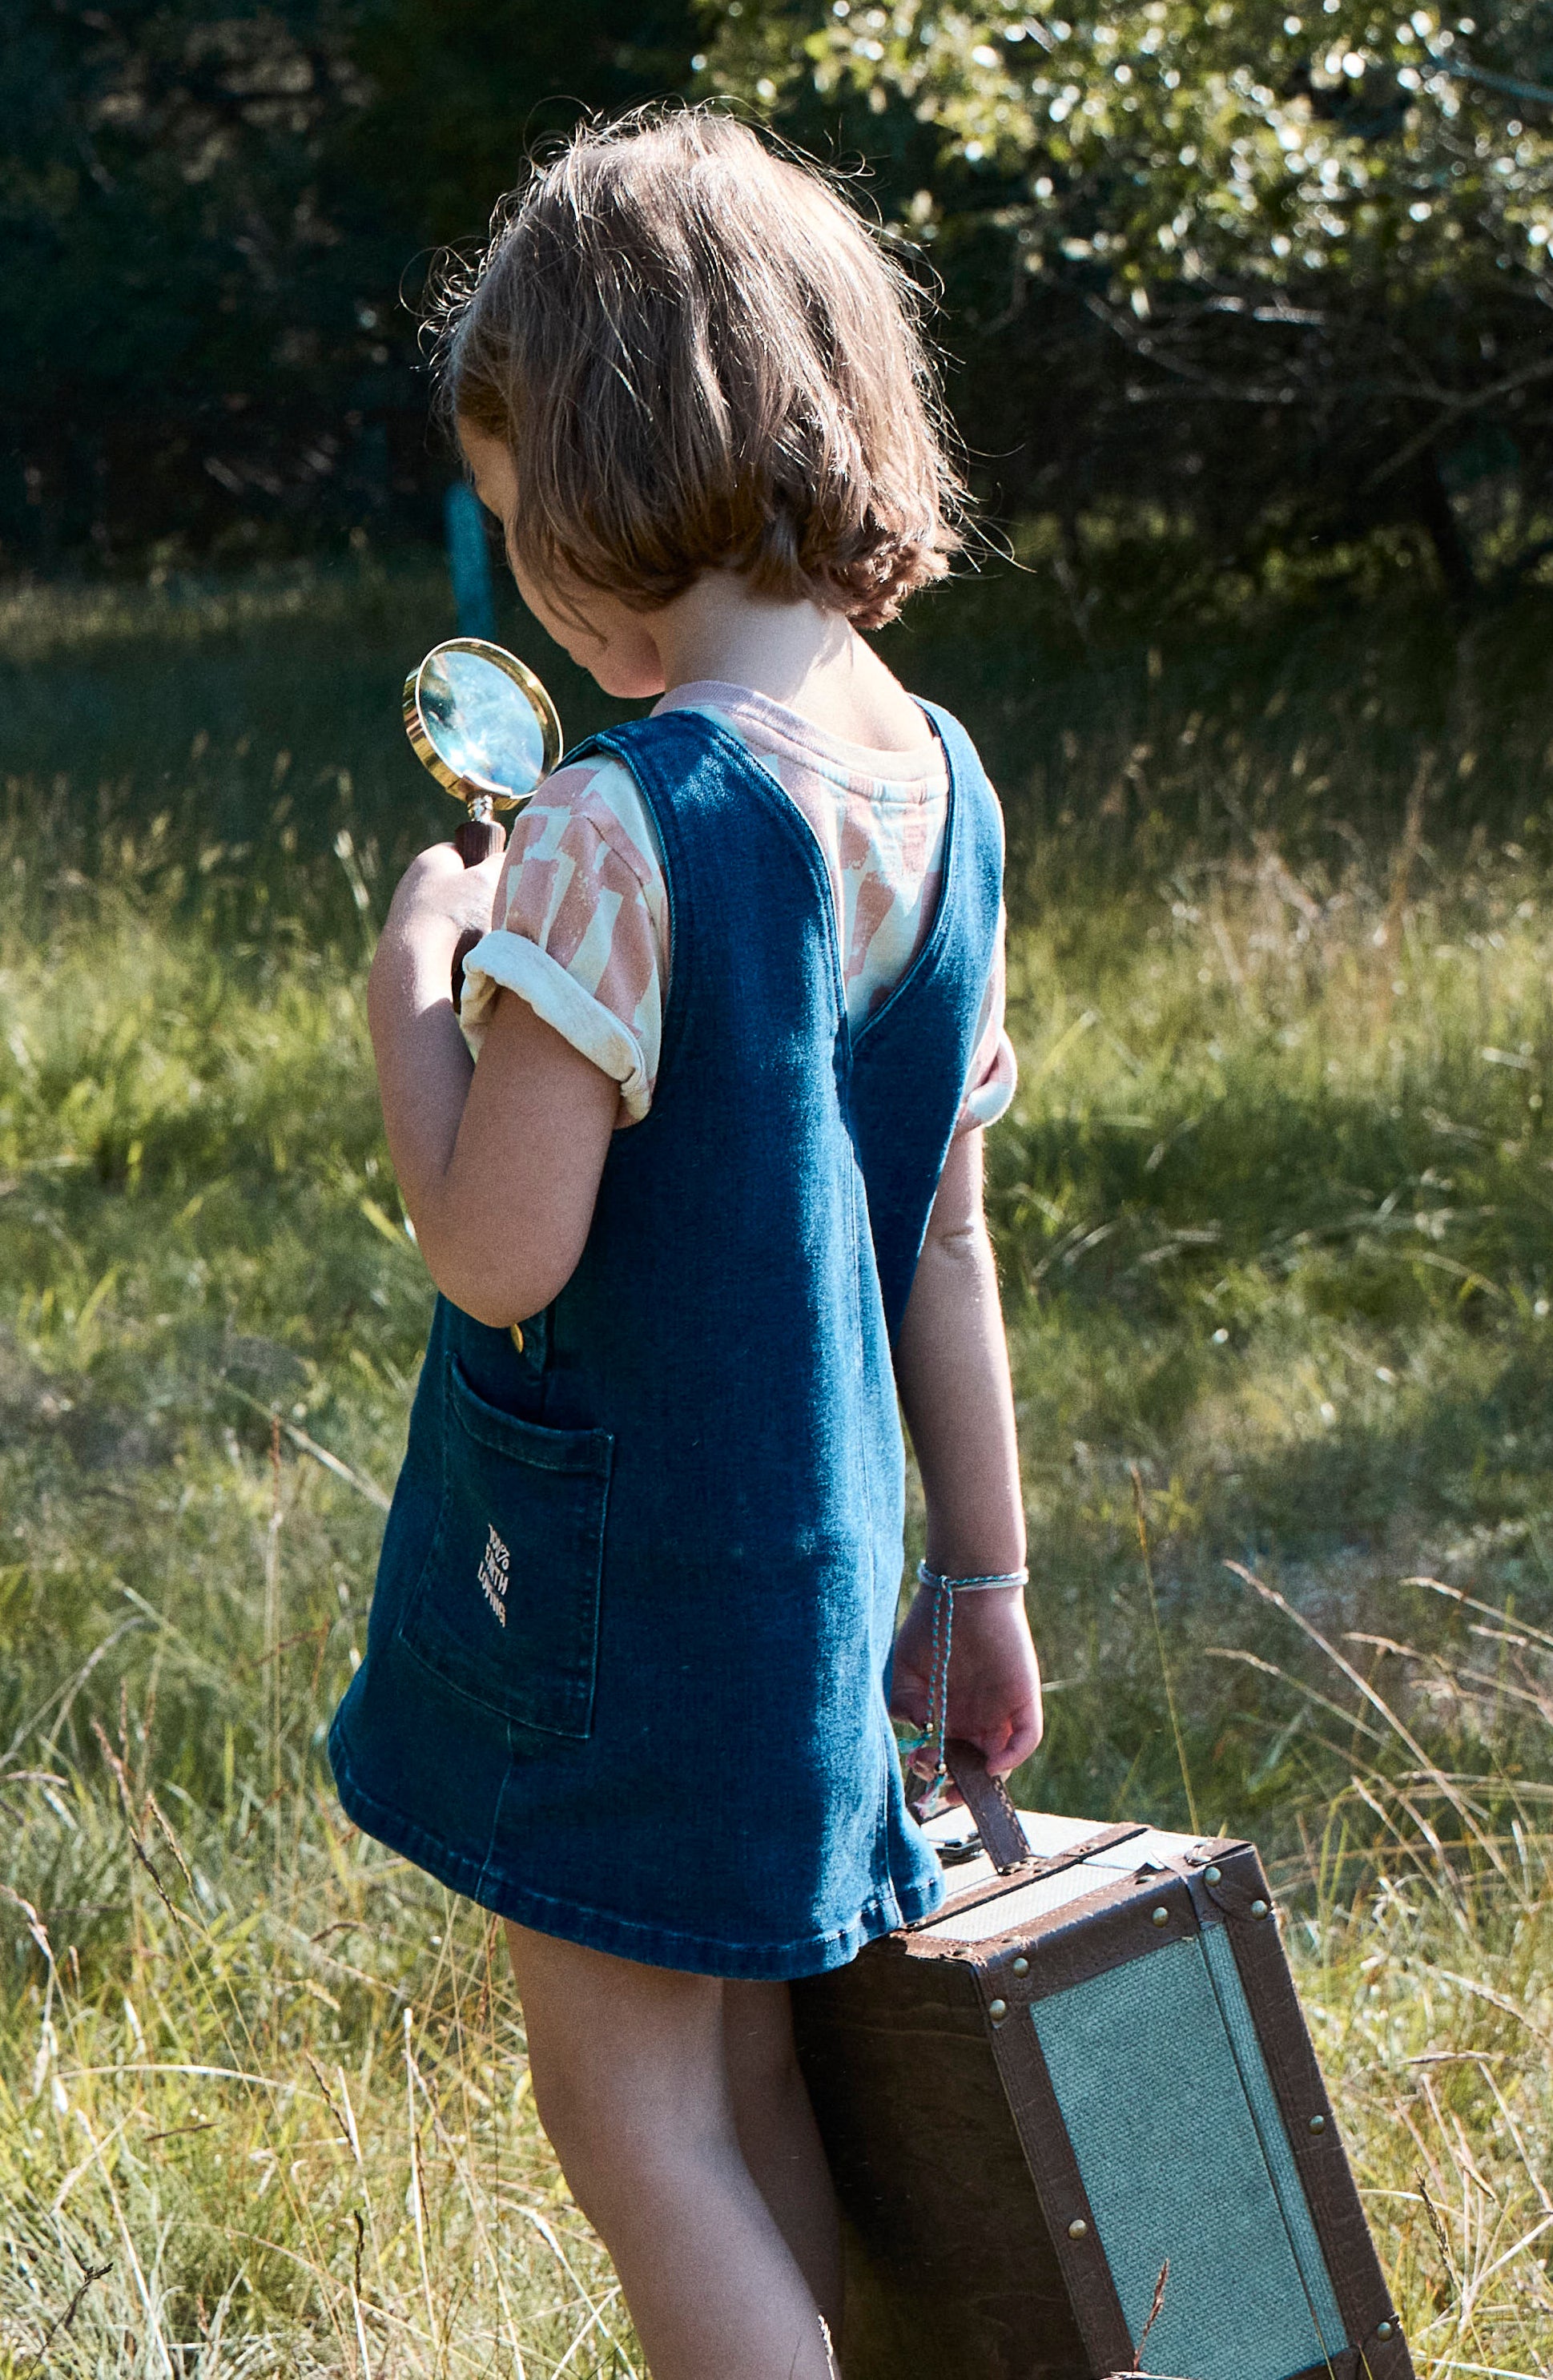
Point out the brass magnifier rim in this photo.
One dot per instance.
(470, 789)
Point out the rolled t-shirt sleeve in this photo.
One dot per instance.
(993, 1074)
(583, 924)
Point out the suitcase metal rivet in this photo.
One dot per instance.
(1022, 1966)
(997, 2010)
(1383, 2330)
(1319, 2123)
(1161, 1917)
(1079, 2229)
(1213, 1876)
(1258, 1909)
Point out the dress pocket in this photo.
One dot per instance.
(506, 1609)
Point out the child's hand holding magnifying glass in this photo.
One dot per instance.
(483, 724)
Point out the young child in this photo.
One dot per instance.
(708, 1202)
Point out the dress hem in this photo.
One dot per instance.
(625, 1937)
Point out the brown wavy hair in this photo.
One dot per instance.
(699, 356)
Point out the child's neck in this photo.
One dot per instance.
(809, 660)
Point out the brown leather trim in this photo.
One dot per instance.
(1031, 1870)
(992, 1813)
(1107, 1928)
(1048, 2153)
(1358, 2283)
(1384, 2358)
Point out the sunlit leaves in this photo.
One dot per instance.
(1245, 141)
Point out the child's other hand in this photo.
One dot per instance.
(994, 1677)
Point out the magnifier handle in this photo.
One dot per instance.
(476, 840)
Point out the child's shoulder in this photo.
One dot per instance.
(589, 802)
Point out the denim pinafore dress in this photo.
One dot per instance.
(628, 1661)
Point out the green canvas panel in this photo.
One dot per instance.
(1235, 2010)
(1152, 2094)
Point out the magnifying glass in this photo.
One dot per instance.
(483, 724)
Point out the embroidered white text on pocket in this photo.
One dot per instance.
(495, 1569)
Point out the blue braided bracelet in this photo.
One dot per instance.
(941, 1585)
(934, 1736)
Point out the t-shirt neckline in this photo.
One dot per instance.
(803, 737)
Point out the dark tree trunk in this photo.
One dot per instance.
(1438, 518)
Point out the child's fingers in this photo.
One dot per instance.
(438, 859)
(1024, 1731)
(908, 1697)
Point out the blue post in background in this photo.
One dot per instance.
(469, 561)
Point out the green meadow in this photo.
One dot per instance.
(1274, 1211)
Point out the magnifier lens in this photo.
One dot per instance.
(481, 723)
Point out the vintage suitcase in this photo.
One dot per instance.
(1081, 2095)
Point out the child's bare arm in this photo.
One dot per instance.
(498, 1163)
(952, 1366)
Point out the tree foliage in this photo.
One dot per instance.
(213, 211)
(1285, 269)
(177, 329)
(1277, 271)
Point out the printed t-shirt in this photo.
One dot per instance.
(583, 910)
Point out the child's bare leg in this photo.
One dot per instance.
(631, 2083)
(779, 2136)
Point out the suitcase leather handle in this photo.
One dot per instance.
(992, 1813)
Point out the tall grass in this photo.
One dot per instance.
(292, 2130)
(1272, 1211)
